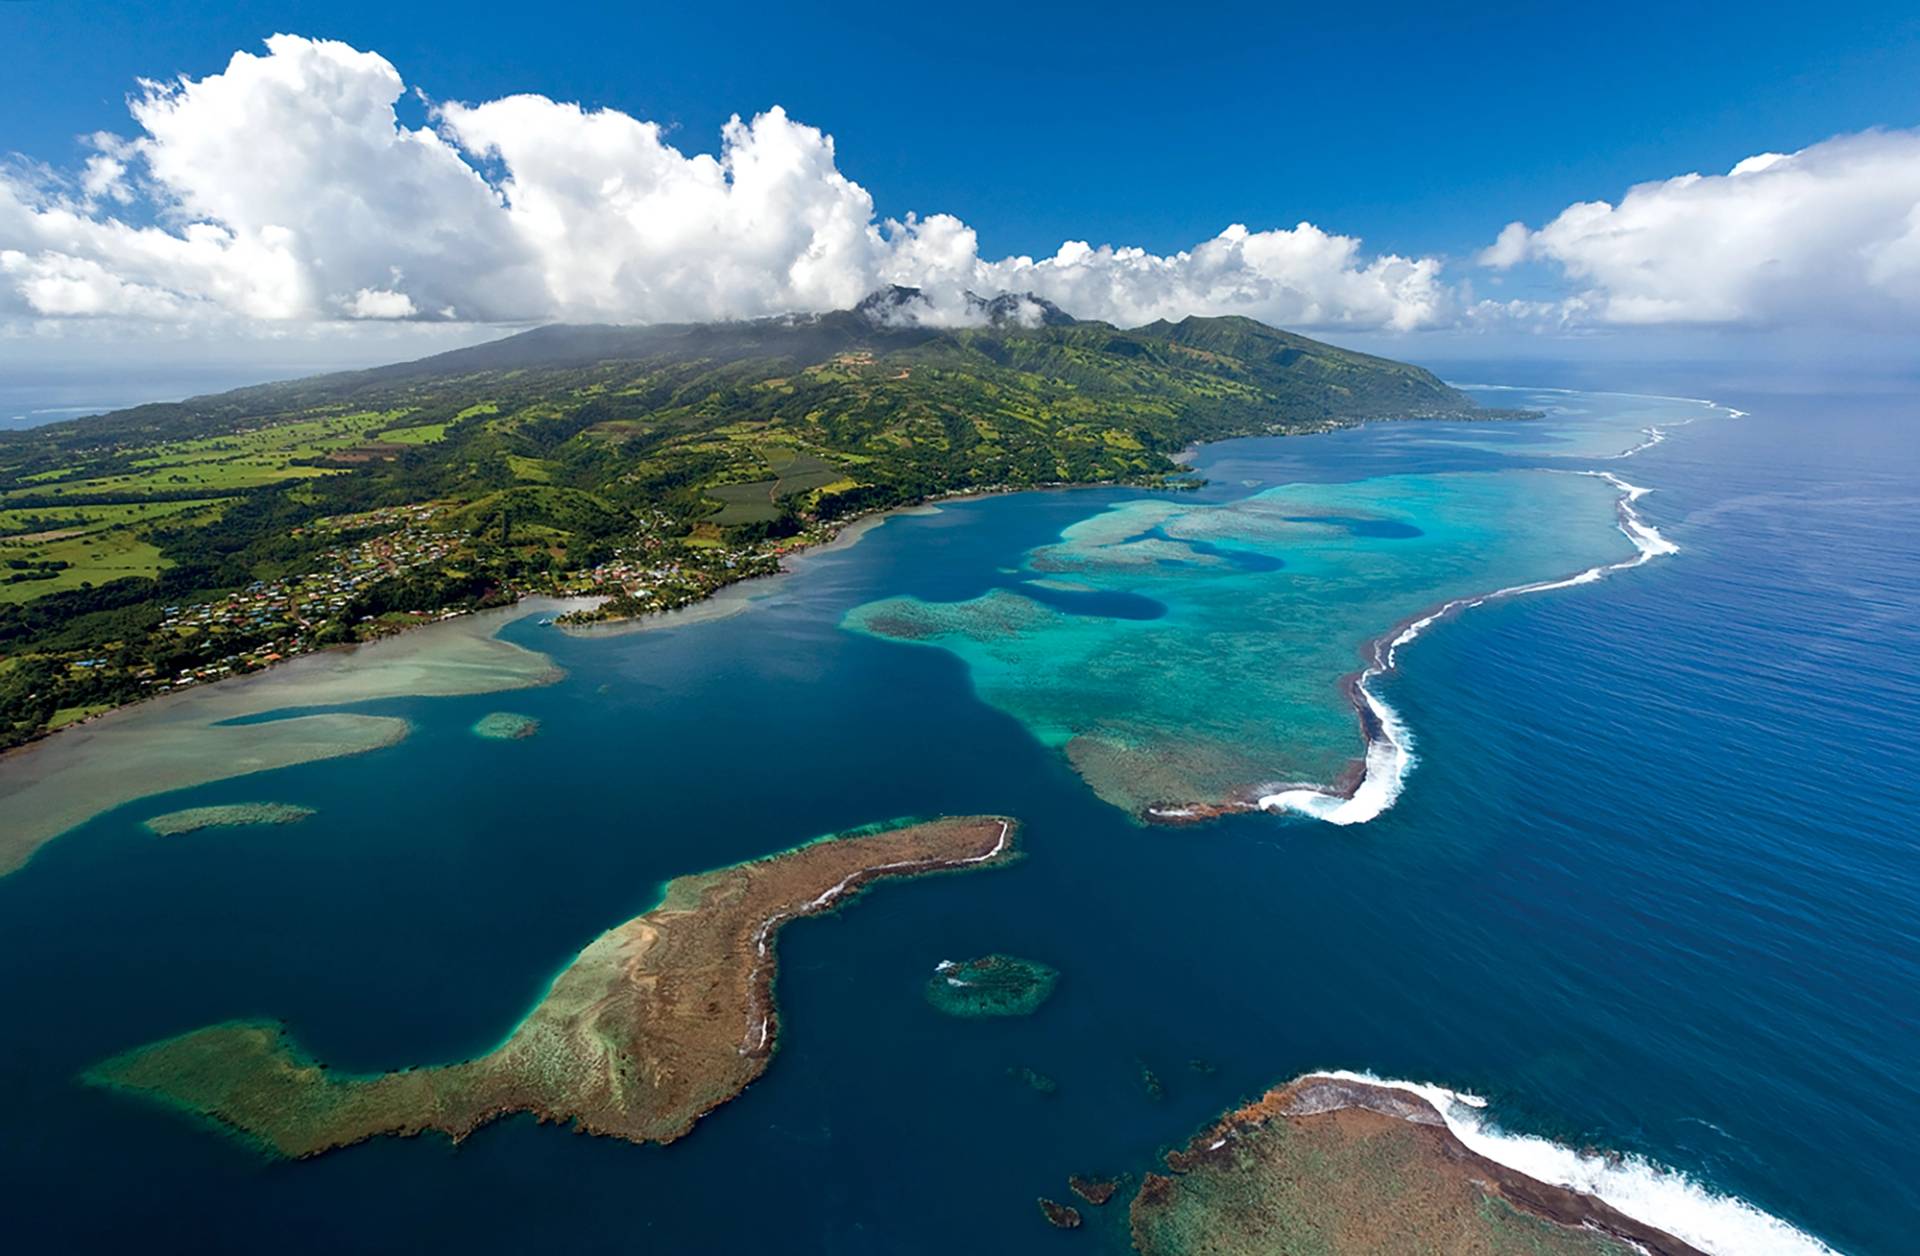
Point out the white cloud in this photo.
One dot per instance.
(1303, 276)
(61, 285)
(1824, 236)
(105, 179)
(286, 187)
(285, 190)
(381, 303)
(626, 227)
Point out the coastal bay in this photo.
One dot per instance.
(212, 732)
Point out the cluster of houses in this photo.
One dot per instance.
(657, 577)
(283, 614)
(279, 619)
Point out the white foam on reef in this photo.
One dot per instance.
(760, 1023)
(1390, 750)
(1654, 435)
(1648, 1192)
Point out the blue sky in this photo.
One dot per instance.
(1416, 129)
(1417, 132)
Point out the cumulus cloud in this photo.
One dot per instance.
(286, 190)
(381, 303)
(1827, 235)
(1302, 276)
(286, 187)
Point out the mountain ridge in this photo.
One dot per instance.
(872, 324)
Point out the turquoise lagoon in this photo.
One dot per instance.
(1649, 887)
(1188, 656)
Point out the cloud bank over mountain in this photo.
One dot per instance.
(286, 191)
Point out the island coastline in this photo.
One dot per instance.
(1336, 797)
(1276, 1151)
(656, 1022)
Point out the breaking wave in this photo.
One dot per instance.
(1389, 742)
(1648, 1192)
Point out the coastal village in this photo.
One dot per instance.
(282, 618)
(271, 621)
(653, 570)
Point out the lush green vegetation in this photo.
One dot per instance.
(653, 463)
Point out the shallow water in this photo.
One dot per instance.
(1650, 887)
(1265, 602)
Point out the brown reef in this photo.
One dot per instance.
(1062, 1216)
(1095, 1191)
(1328, 1164)
(658, 1021)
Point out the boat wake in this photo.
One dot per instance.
(1389, 742)
(1648, 1192)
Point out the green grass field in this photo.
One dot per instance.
(94, 558)
(795, 471)
(15, 525)
(98, 543)
(426, 434)
(236, 461)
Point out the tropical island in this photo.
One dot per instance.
(168, 545)
(657, 1022)
(1332, 1163)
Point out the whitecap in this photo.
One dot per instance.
(1390, 754)
(1652, 1193)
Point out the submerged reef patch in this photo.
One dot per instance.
(212, 732)
(658, 1021)
(505, 726)
(993, 985)
(228, 815)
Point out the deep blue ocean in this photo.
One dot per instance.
(1651, 888)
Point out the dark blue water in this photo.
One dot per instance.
(1652, 888)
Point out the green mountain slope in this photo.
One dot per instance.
(504, 466)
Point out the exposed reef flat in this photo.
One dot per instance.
(1096, 1191)
(231, 815)
(993, 985)
(658, 1021)
(1328, 1164)
(183, 739)
(1061, 1216)
(505, 726)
